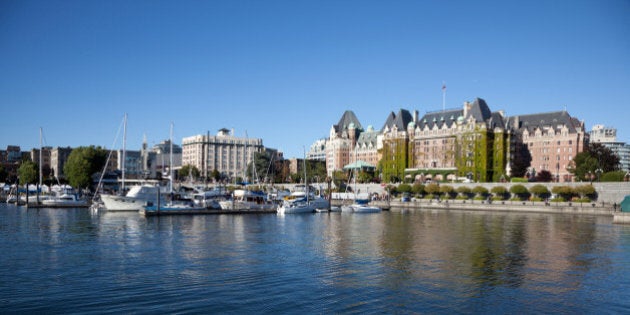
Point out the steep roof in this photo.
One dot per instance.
(346, 120)
(368, 138)
(479, 110)
(553, 120)
(439, 118)
(401, 120)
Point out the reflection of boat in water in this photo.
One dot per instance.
(248, 200)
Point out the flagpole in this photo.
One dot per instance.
(443, 96)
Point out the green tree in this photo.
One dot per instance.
(596, 158)
(432, 189)
(189, 171)
(4, 175)
(28, 172)
(585, 191)
(418, 189)
(82, 163)
(404, 188)
(564, 192)
(520, 191)
(499, 191)
(447, 190)
(539, 191)
(480, 191)
(464, 191)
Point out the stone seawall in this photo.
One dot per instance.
(608, 192)
(502, 206)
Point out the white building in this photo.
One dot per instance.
(317, 151)
(608, 138)
(224, 152)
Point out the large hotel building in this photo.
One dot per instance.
(223, 152)
(472, 142)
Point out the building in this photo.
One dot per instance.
(551, 140)
(470, 142)
(317, 151)
(157, 160)
(223, 152)
(58, 158)
(341, 141)
(394, 145)
(608, 138)
(45, 160)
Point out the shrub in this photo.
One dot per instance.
(539, 191)
(564, 192)
(404, 188)
(499, 192)
(432, 188)
(519, 191)
(480, 191)
(418, 189)
(447, 190)
(464, 192)
(585, 191)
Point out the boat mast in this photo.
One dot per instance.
(40, 156)
(124, 153)
(305, 181)
(171, 161)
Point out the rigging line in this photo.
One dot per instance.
(100, 180)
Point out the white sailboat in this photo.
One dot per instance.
(137, 197)
(359, 205)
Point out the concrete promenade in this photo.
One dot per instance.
(503, 206)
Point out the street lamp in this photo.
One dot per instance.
(599, 173)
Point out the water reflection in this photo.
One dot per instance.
(401, 261)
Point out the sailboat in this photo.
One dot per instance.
(359, 205)
(137, 197)
(302, 200)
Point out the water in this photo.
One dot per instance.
(75, 261)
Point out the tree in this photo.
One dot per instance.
(4, 175)
(544, 176)
(464, 191)
(418, 189)
(28, 172)
(432, 188)
(404, 188)
(499, 191)
(521, 161)
(446, 190)
(564, 192)
(519, 191)
(189, 170)
(480, 191)
(82, 163)
(539, 190)
(597, 158)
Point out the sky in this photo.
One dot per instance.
(285, 71)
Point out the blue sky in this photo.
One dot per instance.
(285, 71)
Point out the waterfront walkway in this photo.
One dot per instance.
(591, 208)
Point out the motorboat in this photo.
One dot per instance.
(65, 200)
(136, 198)
(247, 200)
(296, 205)
(301, 201)
(360, 206)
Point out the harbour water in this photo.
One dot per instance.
(76, 261)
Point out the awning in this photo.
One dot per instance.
(359, 165)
